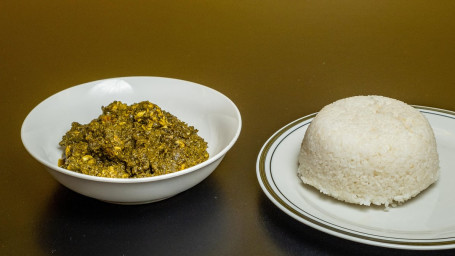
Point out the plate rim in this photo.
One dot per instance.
(271, 193)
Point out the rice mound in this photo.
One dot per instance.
(369, 150)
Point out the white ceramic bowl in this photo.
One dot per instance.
(213, 114)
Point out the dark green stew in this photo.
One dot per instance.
(140, 140)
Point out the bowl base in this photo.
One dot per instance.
(136, 203)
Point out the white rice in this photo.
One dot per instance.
(369, 150)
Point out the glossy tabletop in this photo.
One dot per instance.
(277, 60)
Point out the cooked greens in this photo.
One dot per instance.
(140, 140)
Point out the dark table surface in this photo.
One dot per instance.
(277, 60)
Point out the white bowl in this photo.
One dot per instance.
(213, 114)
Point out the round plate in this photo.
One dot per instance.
(426, 222)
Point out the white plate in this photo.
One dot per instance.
(426, 222)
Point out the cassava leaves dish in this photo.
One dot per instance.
(140, 140)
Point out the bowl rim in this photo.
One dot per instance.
(145, 179)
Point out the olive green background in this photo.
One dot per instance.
(277, 60)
